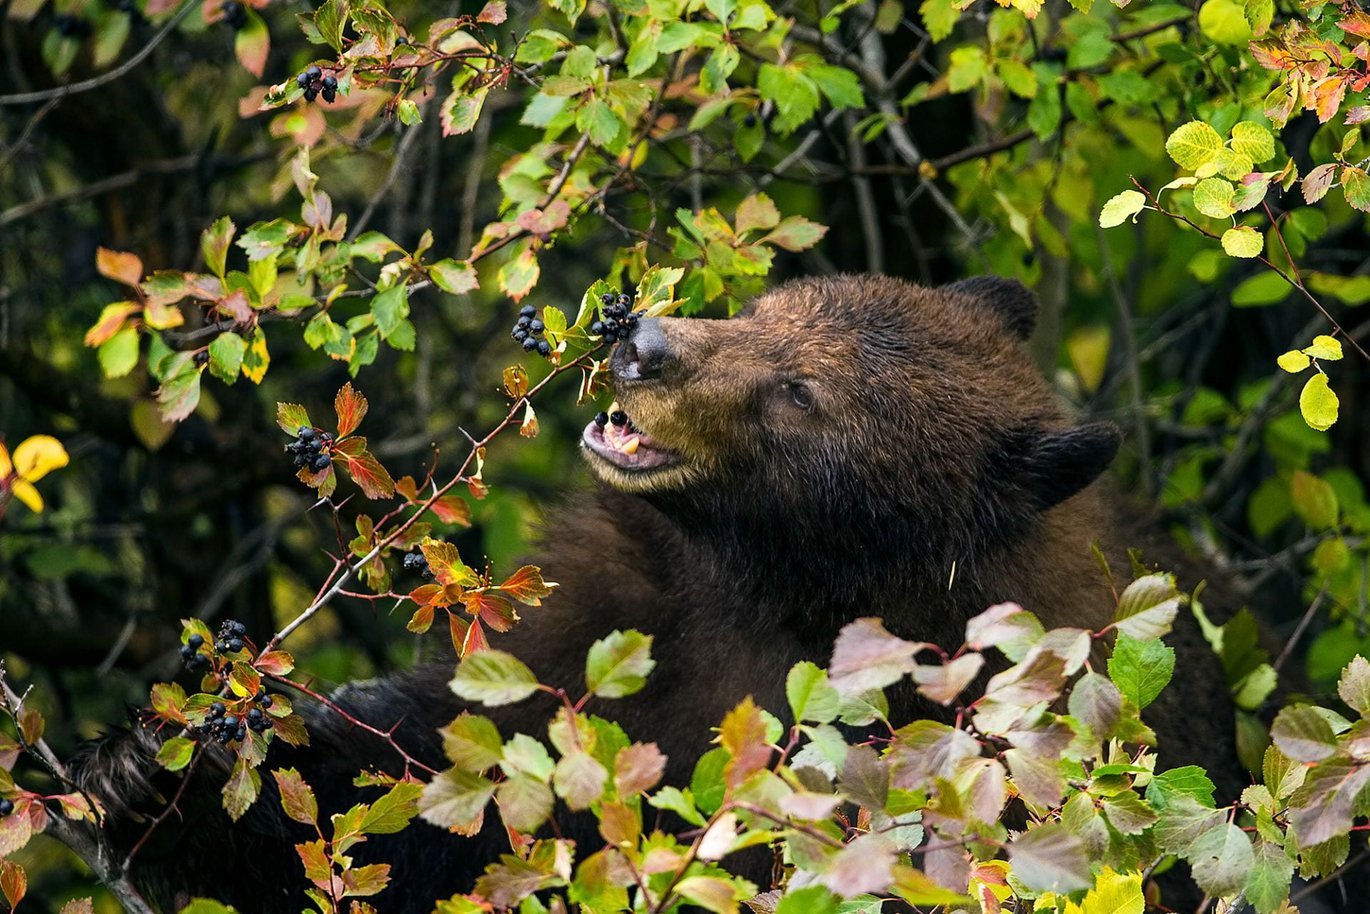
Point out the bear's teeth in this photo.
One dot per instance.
(630, 446)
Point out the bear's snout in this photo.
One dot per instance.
(644, 354)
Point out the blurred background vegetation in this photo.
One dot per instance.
(978, 142)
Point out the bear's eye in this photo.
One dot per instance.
(800, 394)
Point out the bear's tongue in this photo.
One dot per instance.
(626, 446)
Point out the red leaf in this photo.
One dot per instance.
(351, 407)
(527, 586)
(276, 663)
(297, 799)
(457, 628)
(494, 610)
(119, 266)
(167, 699)
(493, 13)
(366, 471)
(474, 640)
(407, 488)
(446, 563)
(13, 882)
(325, 481)
(452, 509)
(236, 306)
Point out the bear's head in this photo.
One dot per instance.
(854, 423)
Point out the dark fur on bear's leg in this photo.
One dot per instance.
(846, 447)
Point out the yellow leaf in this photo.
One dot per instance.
(1243, 241)
(25, 492)
(1293, 361)
(5, 465)
(1115, 893)
(1324, 347)
(1318, 403)
(256, 359)
(35, 457)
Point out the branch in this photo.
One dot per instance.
(85, 85)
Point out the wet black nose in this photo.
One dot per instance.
(643, 354)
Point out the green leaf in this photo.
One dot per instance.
(1243, 241)
(226, 356)
(1318, 403)
(472, 742)
(1122, 207)
(1224, 21)
(214, 242)
(408, 112)
(1141, 669)
(968, 66)
(119, 353)
(1221, 860)
(1253, 141)
(1194, 144)
(579, 779)
(618, 665)
(525, 802)
(493, 678)
(297, 798)
(939, 17)
(1213, 197)
(1315, 501)
(810, 696)
(1272, 870)
(330, 19)
(1303, 734)
(1354, 685)
(175, 753)
(1355, 184)
(1148, 606)
(456, 277)
(1018, 78)
(455, 798)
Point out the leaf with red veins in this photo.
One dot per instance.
(324, 481)
(351, 409)
(119, 266)
(276, 663)
(493, 609)
(527, 586)
(1327, 97)
(366, 471)
(167, 701)
(474, 639)
(494, 13)
(446, 564)
(452, 509)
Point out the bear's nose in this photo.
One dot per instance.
(643, 354)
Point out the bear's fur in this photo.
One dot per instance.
(845, 447)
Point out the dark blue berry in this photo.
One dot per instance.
(544, 348)
(265, 700)
(303, 80)
(527, 311)
(236, 644)
(313, 73)
(618, 417)
(321, 461)
(6, 807)
(217, 709)
(524, 323)
(310, 94)
(329, 94)
(530, 344)
(537, 326)
(329, 82)
(237, 628)
(305, 432)
(596, 329)
(194, 642)
(254, 714)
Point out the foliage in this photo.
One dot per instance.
(674, 149)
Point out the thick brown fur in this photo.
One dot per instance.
(848, 446)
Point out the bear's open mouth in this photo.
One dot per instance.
(626, 446)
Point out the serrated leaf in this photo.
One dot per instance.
(119, 354)
(866, 656)
(1213, 197)
(1221, 860)
(297, 798)
(472, 742)
(1141, 669)
(618, 665)
(493, 677)
(1049, 858)
(1354, 685)
(1253, 141)
(176, 753)
(1355, 185)
(1318, 181)
(454, 799)
(1303, 734)
(810, 695)
(1193, 144)
(579, 779)
(1122, 207)
(455, 277)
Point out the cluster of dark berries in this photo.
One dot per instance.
(201, 358)
(527, 331)
(190, 653)
(308, 448)
(223, 727)
(618, 417)
(619, 317)
(6, 807)
(231, 636)
(417, 561)
(314, 84)
(235, 15)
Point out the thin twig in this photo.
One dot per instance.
(85, 85)
(1293, 639)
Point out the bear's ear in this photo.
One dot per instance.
(1055, 465)
(1010, 299)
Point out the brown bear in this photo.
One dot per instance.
(844, 447)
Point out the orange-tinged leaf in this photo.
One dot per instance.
(527, 586)
(422, 620)
(493, 609)
(276, 663)
(30, 725)
(252, 43)
(446, 564)
(14, 883)
(351, 409)
(494, 12)
(452, 509)
(111, 321)
(119, 266)
(743, 734)
(366, 471)
(457, 628)
(297, 798)
(407, 488)
(515, 380)
(79, 906)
